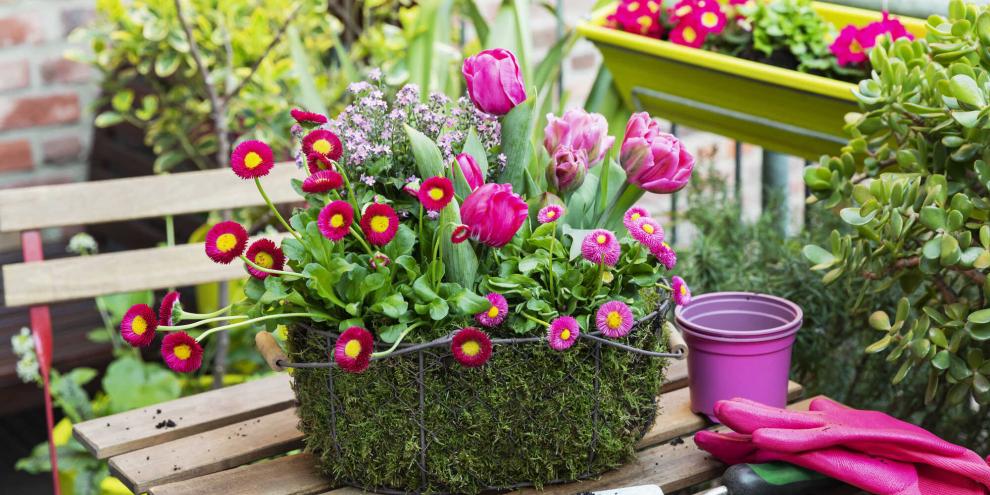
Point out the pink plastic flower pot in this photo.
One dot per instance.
(740, 346)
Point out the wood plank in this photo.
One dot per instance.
(208, 452)
(132, 430)
(110, 273)
(294, 474)
(677, 375)
(139, 197)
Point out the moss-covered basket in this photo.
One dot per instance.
(530, 416)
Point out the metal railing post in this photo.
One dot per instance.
(775, 187)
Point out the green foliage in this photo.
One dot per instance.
(911, 188)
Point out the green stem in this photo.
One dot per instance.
(186, 315)
(397, 341)
(107, 322)
(273, 272)
(665, 286)
(598, 283)
(367, 247)
(350, 191)
(553, 241)
(250, 322)
(278, 215)
(421, 243)
(199, 323)
(608, 212)
(537, 320)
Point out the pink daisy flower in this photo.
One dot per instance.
(632, 215)
(682, 293)
(711, 18)
(436, 193)
(169, 304)
(600, 246)
(181, 352)
(379, 223)
(308, 118)
(847, 47)
(563, 333)
(321, 147)
(666, 255)
(353, 350)
(647, 231)
(495, 315)
(138, 325)
(471, 347)
(550, 213)
(252, 159)
(226, 241)
(688, 33)
(322, 181)
(335, 220)
(265, 254)
(614, 319)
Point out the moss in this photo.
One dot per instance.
(530, 415)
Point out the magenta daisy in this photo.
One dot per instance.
(614, 319)
(321, 147)
(682, 293)
(181, 352)
(308, 119)
(251, 159)
(495, 315)
(600, 246)
(138, 325)
(265, 254)
(335, 220)
(379, 223)
(647, 231)
(471, 347)
(226, 241)
(436, 193)
(322, 181)
(563, 333)
(666, 255)
(169, 304)
(353, 350)
(632, 215)
(550, 213)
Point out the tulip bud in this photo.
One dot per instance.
(470, 169)
(653, 160)
(567, 170)
(494, 81)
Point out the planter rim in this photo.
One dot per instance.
(713, 298)
(595, 30)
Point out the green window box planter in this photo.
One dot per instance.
(780, 109)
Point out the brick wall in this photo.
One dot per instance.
(45, 120)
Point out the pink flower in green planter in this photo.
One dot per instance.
(711, 18)
(470, 169)
(688, 33)
(568, 169)
(494, 81)
(578, 130)
(492, 215)
(653, 160)
(847, 48)
(638, 16)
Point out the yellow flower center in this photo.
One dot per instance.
(471, 348)
(633, 6)
(683, 11)
(565, 334)
(322, 146)
(648, 228)
(635, 216)
(855, 47)
(226, 242)
(551, 214)
(352, 348)
(607, 277)
(436, 194)
(665, 245)
(264, 260)
(684, 290)
(644, 23)
(613, 319)
(337, 220)
(653, 6)
(379, 223)
(182, 351)
(492, 312)
(252, 160)
(601, 239)
(709, 19)
(139, 325)
(689, 34)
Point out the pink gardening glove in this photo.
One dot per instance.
(831, 425)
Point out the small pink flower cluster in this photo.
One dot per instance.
(688, 22)
(851, 45)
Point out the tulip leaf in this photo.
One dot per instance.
(459, 259)
(517, 130)
(429, 160)
(473, 147)
(461, 186)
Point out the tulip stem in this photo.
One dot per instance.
(278, 215)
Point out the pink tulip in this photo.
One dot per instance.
(581, 130)
(567, 170)
(653, 160)
(494, 81)
(493, 214)
(470, 169)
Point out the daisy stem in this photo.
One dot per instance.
(239, 324)
(537, 320)
(363, 243)
(199, 323)
(598, 284)
(665, 286)
(186, 315)
(350, 191)
(278, 215)
(553, 241)
(421, 213)
(269, 270)
(397, 341)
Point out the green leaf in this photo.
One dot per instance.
(439, 309)
(880, 321)
(933, 217)
(108, 119)
(401, 244)
(517, 143)
(166, 63)
(393, 306)
(473, 147)
(309, 95)
(852, 216)
(468, 303)
(942, 360)
(820, 257)
(131, 384)
(979, 317)
(459, 259)
(429, 160)
(472, 11)
(879, 345)
(965, 89)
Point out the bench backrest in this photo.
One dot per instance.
(31, 208)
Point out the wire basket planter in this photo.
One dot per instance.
(418, 422)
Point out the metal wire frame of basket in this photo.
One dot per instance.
(429, 350)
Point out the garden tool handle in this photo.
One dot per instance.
(270, 350)
(676, 341)
(778, 478)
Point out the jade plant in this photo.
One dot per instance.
(912, 189)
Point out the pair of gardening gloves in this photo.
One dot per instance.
(866, 449)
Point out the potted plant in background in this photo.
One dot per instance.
(419, 277)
